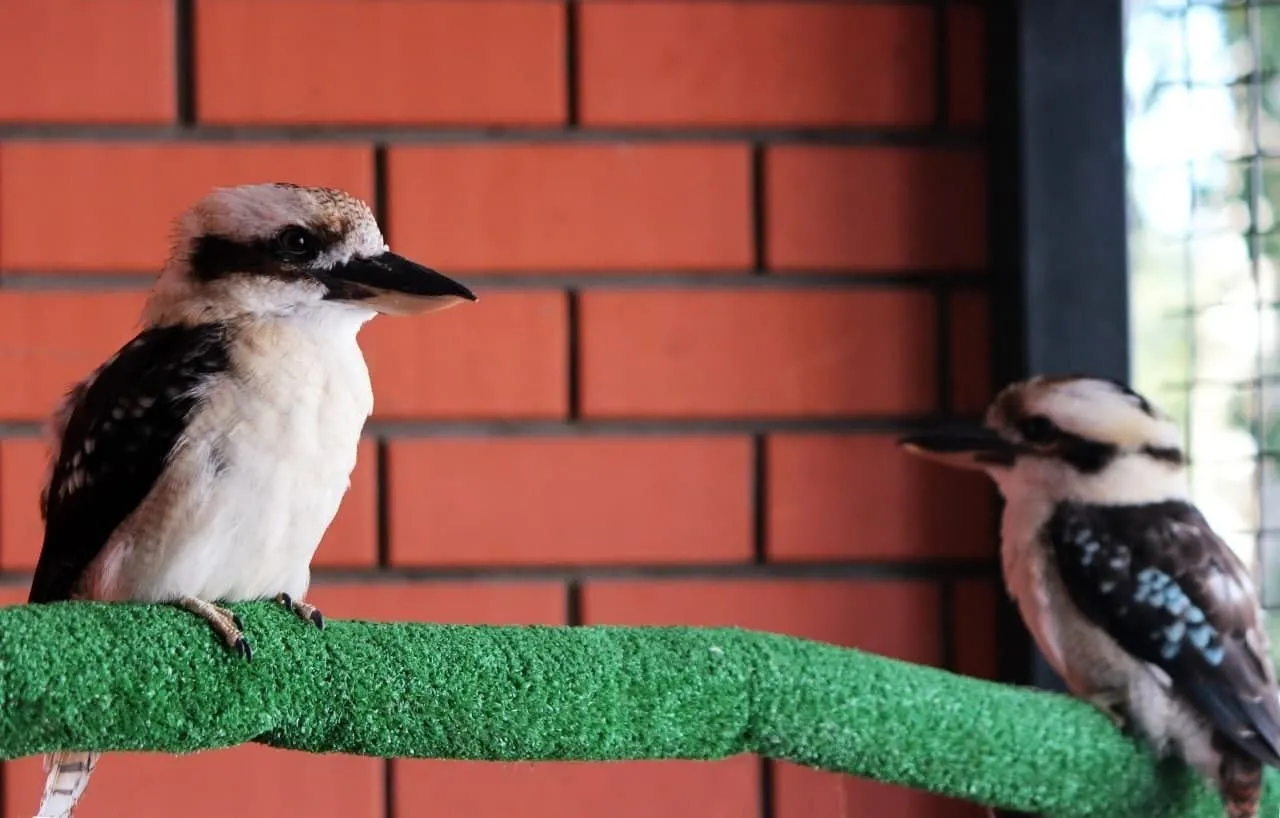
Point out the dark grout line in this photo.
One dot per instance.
(389, 787)
(21, 429)
(380, 181)
(760, 498)
(427, 135)
(382, 500)
(81, 281)
(942, 74)
(924, 571)
(573, 603)
(767, 769)
(917, 571)
(759, 210)
(90, 281)
(184, 47)
(573, 370)
(572, 74)
(398, 429)
(653, 428)
(942, 326)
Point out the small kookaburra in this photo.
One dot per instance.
(1127, 591)
(204, 461)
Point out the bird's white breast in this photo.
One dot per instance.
(259, 473)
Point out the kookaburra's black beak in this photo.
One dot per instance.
(394, 285)
(970, 448)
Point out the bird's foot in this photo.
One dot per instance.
(1115, 706)
(225, 623)
(302, 610)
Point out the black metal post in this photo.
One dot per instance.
(1058, 233)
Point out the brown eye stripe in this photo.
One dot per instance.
(1038, 430)
(1167, 454)
(1086, 456)
(214, 257)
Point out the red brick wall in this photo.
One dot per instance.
(725, 252)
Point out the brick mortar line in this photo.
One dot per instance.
(758, 483)
(573, 354)
(928, 137)
(184, 69)
(765, 809)
(91, 281)
(381, 178)
(573, 602)
(757, 172)
(388, 788)
(396, 430)
(883, 571)
(846, 2)
(678, 426)
(382, 502)
(572, 66)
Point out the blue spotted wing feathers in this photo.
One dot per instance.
(1170, 592)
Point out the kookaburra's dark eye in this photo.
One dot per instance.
(1038, 429)
(296, 244)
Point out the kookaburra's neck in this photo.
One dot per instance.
(327, 330)
(179, 299)
(1129, 479)
(272, 330)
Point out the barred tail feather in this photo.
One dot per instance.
(68, 776)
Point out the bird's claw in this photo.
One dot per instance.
(227, 624)
(1113, 706)
(302, 610)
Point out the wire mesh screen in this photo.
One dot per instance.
(1203, 143)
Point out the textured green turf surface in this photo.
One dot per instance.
(134, 677)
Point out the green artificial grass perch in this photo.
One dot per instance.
(95, 676)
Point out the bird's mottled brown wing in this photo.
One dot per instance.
(1170, 592)
(117, 432)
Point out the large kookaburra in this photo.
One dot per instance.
(205, 459)
(1129, 594)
